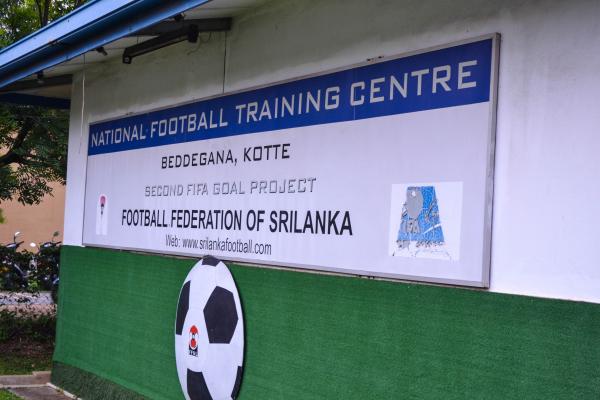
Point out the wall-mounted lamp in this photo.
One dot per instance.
(189, 33)
(101, 50)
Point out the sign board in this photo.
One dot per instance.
(383, 169)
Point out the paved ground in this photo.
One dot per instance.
(32, 387)
(37, 378)
(39, 393)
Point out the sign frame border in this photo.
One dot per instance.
(484, 282)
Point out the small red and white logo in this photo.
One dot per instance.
(102, 204)
(102, 215)
(193, 344)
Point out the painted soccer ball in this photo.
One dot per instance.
(209, 333)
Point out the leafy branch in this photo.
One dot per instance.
(33, 140)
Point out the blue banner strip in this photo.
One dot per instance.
(448, 77)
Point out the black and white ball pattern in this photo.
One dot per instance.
(209, 333)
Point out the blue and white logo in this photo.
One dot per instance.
(419, 228)
(420, 219)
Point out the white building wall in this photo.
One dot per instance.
(547, 180)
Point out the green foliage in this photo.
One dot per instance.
(38, 327)
(36, 140)
(33, 140)
(6, 395)
(18, 18)
(26, 340)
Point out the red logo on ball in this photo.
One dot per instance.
(193, 345)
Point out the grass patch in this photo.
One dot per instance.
(24, 358)
(26, 342)
(6, 395)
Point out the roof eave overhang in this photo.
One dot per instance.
(88, 27)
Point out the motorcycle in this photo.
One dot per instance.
(44, 266)
(14, 266)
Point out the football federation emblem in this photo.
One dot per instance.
(102, 215)
(102, 204)
(209, 333)
(193, 345)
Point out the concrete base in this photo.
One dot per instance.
(40, 378)
(39, 393)
(36, 386)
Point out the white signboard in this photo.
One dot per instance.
(383, 169)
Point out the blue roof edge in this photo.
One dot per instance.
(86, 28)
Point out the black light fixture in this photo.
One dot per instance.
(102, 50)
(189, 33)
(40, 77)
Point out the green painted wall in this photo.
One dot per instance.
(313, 336)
